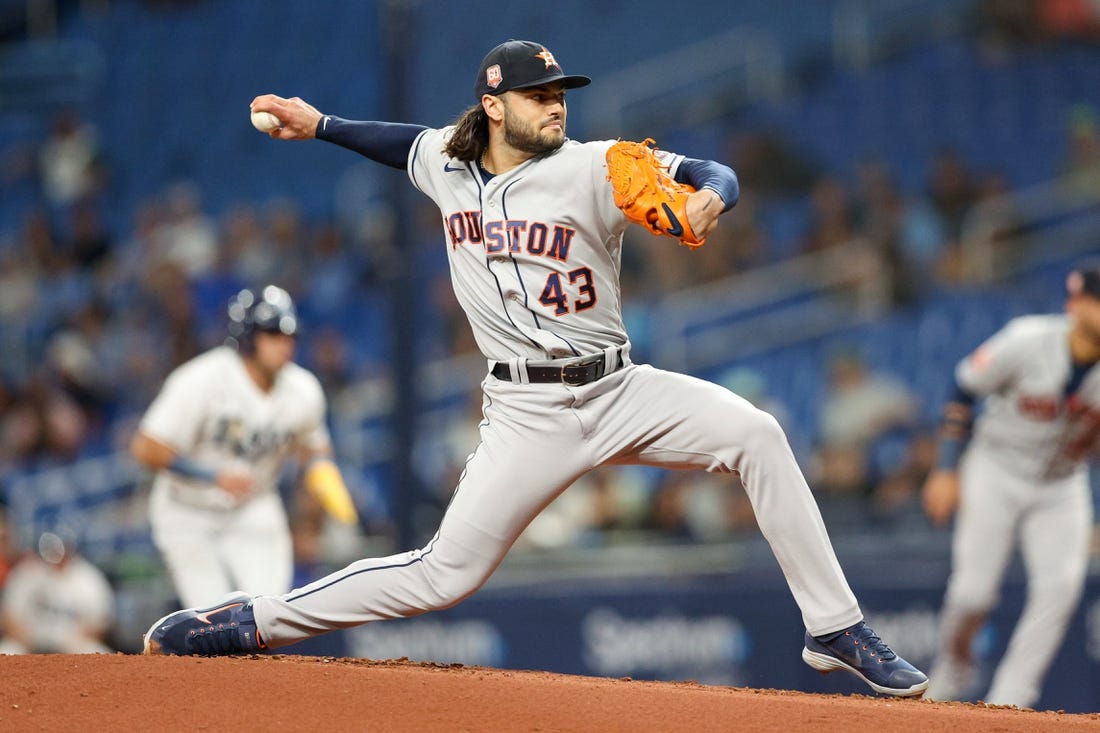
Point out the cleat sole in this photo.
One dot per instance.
(826, 663)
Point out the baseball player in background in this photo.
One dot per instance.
(218, 435)
(1021, 479)
(56, 601)
(533, 236)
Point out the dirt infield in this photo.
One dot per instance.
(283, 693)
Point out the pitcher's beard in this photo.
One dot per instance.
(521, 136)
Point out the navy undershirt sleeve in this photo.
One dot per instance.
(1077, 376)
(709, 174)
(387, 143)
(955, 432)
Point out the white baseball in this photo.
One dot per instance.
(265, 121)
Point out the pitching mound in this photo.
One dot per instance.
(277, 693)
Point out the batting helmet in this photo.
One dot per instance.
(268, 309)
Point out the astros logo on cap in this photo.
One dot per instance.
(492, 76)
(547, 57)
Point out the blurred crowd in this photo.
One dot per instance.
(92, 319)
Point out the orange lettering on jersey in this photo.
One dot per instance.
(473, 226)
(515, 236)
(536, 238)
(494, 238)
(1040, 408)
(563, 239)
(462, 227)
(456, 229)
(515, 232)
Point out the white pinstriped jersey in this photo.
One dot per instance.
(535, 252)
(210, 410)
(1028, 420)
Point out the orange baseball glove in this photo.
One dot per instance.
(647, 194)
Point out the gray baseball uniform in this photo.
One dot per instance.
(535, 256)
(1024, 480)
(534, 240)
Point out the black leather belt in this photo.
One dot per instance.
(574, 374)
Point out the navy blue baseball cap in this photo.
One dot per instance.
(519, 65)
(1084, 281)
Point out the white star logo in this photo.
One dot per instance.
(547, 57)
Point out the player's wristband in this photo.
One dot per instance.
(192, 469)
(950, 451)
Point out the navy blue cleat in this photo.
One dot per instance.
(227, 627)
(859, 650)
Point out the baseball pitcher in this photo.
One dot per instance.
(532, 224)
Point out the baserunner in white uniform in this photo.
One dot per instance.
(218, 436)
(1022, 482)
(534, 241)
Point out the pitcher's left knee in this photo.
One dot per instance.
(761, 434)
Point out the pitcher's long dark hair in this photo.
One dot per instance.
(471, 135)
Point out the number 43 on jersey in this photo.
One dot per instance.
(567, 292)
